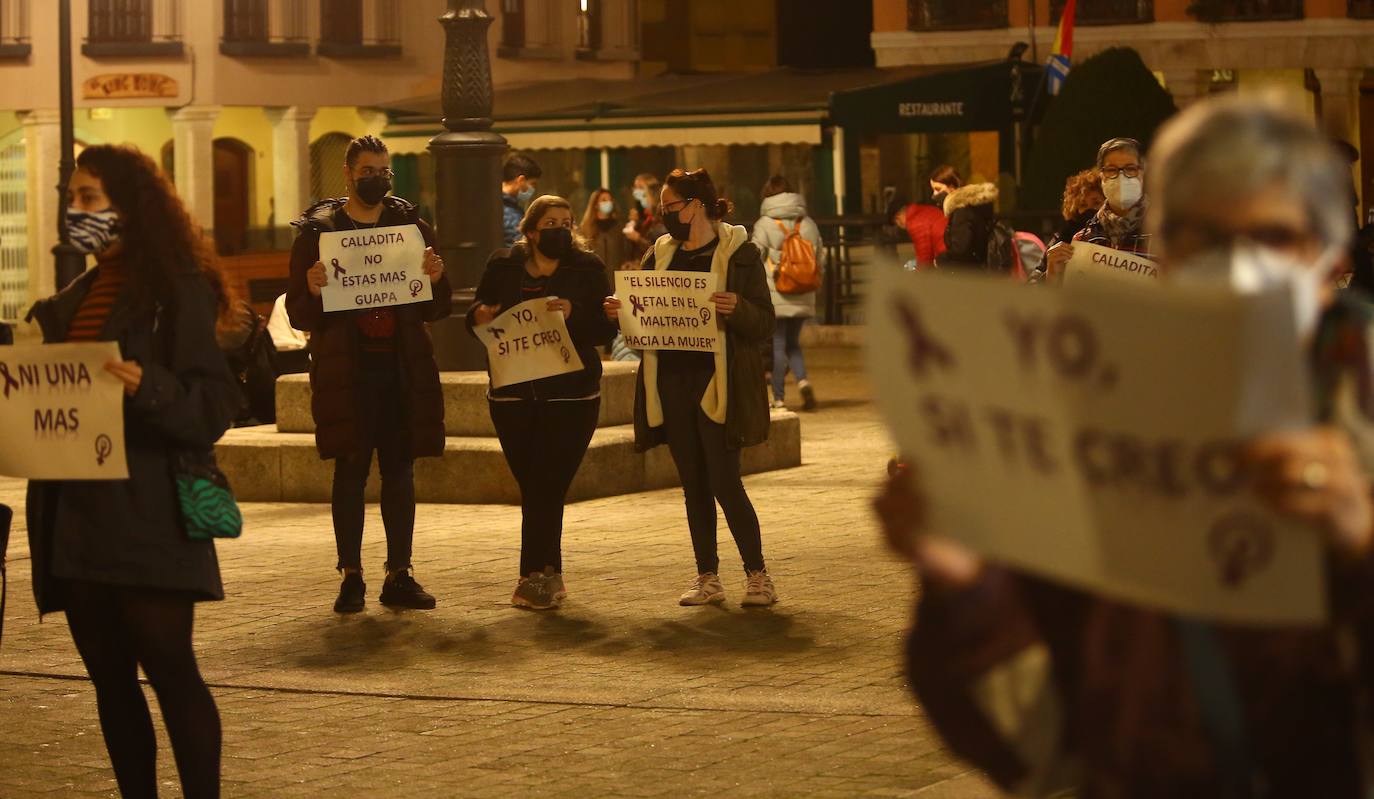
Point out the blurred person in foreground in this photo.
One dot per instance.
(1052, 689)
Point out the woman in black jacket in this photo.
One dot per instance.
(113, 554)
(972, 215)
(545, 426)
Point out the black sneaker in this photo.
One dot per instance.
(401, 591)
(536, 592)
(351, 594)
(808, 397)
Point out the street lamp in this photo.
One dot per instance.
(468, 168)
(69, 261)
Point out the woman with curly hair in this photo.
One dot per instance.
(545, 426)
(113, 554)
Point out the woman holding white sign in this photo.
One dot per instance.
(1054, 689)
(373, 380)
(707, 406)
(545, 425)
(116, 554)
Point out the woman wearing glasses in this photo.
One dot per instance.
(708, 406)
(1119, 224)
(373, 381)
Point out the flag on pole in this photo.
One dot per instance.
(1058, 67)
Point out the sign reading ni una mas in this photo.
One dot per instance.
(128, 86)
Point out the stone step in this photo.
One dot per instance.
(264, 465)
(465, 404)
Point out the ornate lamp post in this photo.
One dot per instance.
(468, 164)
(70, 262)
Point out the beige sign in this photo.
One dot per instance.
(1094, 260)
(374, 267)
(528, 342)
(663, 310)
(61, 413)
(1092, 435)
(129, 86)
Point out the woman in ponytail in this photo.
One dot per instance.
(708, 406)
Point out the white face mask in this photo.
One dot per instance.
(1122, 192)
(1251, 268)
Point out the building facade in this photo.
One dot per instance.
(1323, 49)
(249, 104)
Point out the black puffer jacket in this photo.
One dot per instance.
(129, 532)
(972, 214)
(580, 279)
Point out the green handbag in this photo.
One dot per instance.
(208, 508)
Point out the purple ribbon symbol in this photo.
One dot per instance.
(10, 382)
(416, 287)
(638, 304)
(338, 270)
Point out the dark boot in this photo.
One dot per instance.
(401, 591)
(351, 593)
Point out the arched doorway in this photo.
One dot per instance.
(326, 166)
(233, 187)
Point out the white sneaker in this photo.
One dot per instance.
(705, 589)
(777, 404)
(759, 590)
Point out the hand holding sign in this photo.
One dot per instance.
(528, 342)
(62, 411)
(377, 267)
(1047, 434)
(669, 310)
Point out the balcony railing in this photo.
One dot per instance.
(1106, 12)
(124, 28)
(265, 28)
(360, 28)
(947, 15)
(1361, 9)
(14, 29)
(1245, 10)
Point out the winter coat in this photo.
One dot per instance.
(129, 532)
(1131, 238)
(925, 224)
(1046, 687)
(335, 390)
(972, 214)
(580, 279)
(747, 416)
(790, 209)
(611, 247)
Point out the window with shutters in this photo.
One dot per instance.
(121, 28)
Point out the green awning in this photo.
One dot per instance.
(968, 99)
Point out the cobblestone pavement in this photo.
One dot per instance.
(621, 693)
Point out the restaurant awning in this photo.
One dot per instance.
(980, 97)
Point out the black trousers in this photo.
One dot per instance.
(118, 629)
(544, 442)
(382, 408)
(709, 470)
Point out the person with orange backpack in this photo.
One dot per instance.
(794, 255)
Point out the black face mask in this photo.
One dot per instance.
(678, 229)
(554, 242)
(371, 190)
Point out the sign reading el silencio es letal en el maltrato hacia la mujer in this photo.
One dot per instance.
(374, 268)
(662, 310)
(61, 413)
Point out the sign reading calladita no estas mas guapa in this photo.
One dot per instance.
(374, 268)
(61, 413)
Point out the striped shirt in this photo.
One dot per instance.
(95, 308)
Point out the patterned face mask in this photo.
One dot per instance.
(92, 232)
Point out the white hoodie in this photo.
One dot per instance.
(787, 207)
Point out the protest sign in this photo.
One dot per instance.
(1096, 261)
(61, 413)
(374, 267)
(1093, 435)
(665, 310)
(528, 342)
